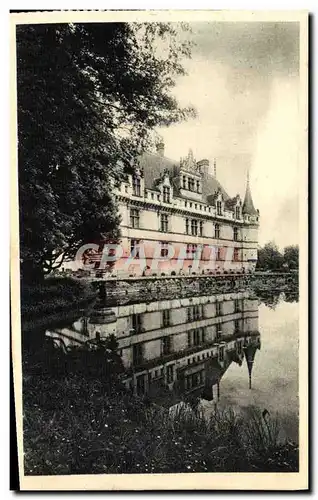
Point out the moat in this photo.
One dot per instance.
(234, 349)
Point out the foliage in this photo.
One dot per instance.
(89, 96)
(95, 359)
(271, 259)
(73, 426)
(291, 256)
(55, 302)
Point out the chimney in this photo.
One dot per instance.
(160, 146)
(204, 166)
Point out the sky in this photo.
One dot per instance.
(243, 80)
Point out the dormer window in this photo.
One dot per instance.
(136, 186)
(198, 186)
(219, 207)
(191, 184)
(166, 194)
(184, 182)
(237, 213)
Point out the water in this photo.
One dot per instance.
(275, 370)
(235, 350)
(177, 360)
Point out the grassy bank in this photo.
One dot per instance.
(79, 425)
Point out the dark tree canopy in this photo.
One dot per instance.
(291, 256)
(270, 258)
(89, 98)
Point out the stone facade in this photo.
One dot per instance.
(181, 344)
(183, 206)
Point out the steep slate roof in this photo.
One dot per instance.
(153, 166)
(210, 186)
(248, 205)
(250, 352)
(231, 202)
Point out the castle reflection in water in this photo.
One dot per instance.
(178, 347)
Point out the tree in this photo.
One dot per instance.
(291, 256)
(269, 257)
(89, 97)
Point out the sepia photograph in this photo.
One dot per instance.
(159, 249)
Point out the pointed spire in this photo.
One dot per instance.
(250, 351)
(248, 205)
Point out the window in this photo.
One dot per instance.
(196, 337)
(169, 374)
(136, 185)
(85, 326)
(237, 212)
(191, 250)
(126, 189)
(166, 345)
(134, 218)
(195, 312)
(194, 380)
(136, 322)
(219, 254)
(164, 223)
(164, 249)
(152, 196)
(166, 317)
(198, 186)
(217, 231)
(236, 325)
(166, 194)
(187, 226)
(239, 347)
(184, 182)
(191, 184)
(236, 305)
(134, 248)
(235, 254)
(140, 385)
(137, 354)
(221, 353)
(219, 207)
(194, 227)
(201, 228)
(218, 331)
(218, 309)
(235, 234)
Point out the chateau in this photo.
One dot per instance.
(182, 207)
(185, 345)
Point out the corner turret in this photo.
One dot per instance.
(248, 205)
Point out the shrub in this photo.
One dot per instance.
(77, 425)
